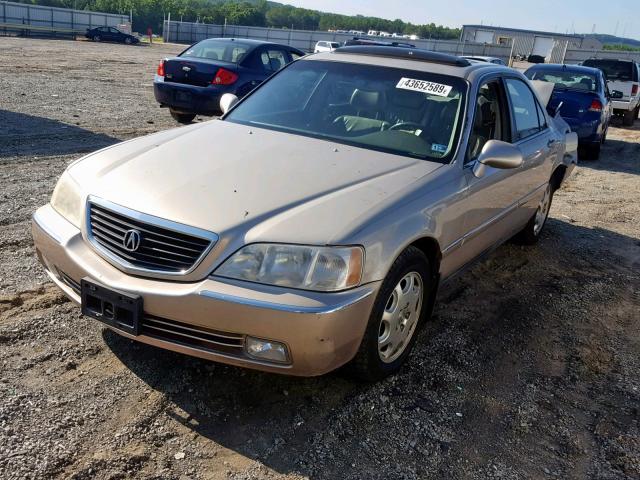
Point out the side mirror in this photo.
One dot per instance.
(227, 101)
(497, 154)
(616, 94)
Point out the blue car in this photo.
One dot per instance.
(584, 101)
(192, 83)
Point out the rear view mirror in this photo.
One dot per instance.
(227, 101)
(616, 94)
(497, 154)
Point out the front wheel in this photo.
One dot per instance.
(397, 315)
(184, 118)
(530, 234)
(127, 41)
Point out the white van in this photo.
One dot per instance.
(623, 75)
(325, 46)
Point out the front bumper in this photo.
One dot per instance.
(322, 331)
(202, 100)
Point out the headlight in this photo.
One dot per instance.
(67, 199)
(297, 266)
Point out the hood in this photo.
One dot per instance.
(249, 184)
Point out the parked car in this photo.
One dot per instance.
(624, 76)
(535, 59)
(495, 60)
(323, 46)
(583, 99)
(110, 34)
(357, 41)
(192, 83)
(311, 226)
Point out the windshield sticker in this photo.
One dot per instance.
(424, 86)
(437, 147)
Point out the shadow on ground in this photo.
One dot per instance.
(489, 333)
(28, 135)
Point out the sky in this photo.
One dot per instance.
(611, 16)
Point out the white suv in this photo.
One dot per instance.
(623, 75)
(323, 46)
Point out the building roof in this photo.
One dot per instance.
(535, 32)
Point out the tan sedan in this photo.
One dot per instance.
(312, 226)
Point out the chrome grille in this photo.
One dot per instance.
(192, 336)
(160, 249)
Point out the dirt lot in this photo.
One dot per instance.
(530, 369)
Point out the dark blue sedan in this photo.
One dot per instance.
(584, 100)
(110, 34)
(192, 83)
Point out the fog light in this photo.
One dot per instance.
(267, 350)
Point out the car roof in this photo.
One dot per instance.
(558, 67)
(410, 59)
(250, 41)
(480, 57)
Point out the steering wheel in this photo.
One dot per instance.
(406, 126)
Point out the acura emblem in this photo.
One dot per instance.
(131, 240)
(186, 69)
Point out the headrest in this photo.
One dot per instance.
(587, 82)
(275, 64)
(366, 100)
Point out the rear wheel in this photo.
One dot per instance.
(530, 234)
(592, 152)
(185, 118)
(629, 117)
(96, 38)
(398, 312)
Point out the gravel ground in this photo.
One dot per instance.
(530, 369)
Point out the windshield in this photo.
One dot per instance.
(225, 50)
(404, 112)
(613, 69)
(566, 79)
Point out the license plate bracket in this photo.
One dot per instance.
(120, 310)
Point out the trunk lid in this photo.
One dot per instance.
(198, 72)
(575, 103)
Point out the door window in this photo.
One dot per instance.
(525, 109)
(488, 120)
(273, 60)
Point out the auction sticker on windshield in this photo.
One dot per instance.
(424, 86)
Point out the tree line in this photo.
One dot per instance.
(261, 13)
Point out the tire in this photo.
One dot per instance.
(397, 307)
(96, 38)
(530, 234)
(127, 41)
(185, 118)
(592, 152)
(629, 117)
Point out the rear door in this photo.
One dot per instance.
(532, 135)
